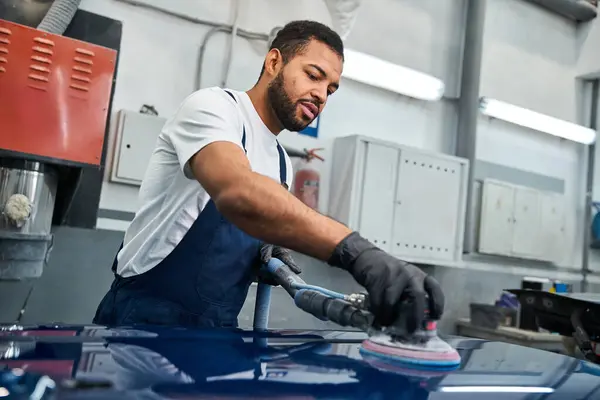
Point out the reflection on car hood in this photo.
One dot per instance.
(70, 362)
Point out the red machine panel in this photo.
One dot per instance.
(54, 94)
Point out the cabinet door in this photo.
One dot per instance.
(377, 205)
(552, 230)
(496, 219)
(427, 202)
(527, 218)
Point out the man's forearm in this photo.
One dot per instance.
(264, 209)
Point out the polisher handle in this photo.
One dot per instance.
(324, 304)
(331, 309)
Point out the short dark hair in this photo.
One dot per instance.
(293, 38)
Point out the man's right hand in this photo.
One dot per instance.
(399, 293)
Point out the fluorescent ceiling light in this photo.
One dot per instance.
(496, 389)
(383, 74)
(536, 121)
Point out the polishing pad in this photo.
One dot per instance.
(432, 354)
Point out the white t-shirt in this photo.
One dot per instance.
(170, 199)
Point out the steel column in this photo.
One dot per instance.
(468, 105)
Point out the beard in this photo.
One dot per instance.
(283, 107)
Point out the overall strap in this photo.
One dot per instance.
(282, 166)
(243, 127)
(115, 262)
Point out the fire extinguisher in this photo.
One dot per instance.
(307, 179)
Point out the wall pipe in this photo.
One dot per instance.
(217, 27)
(231, 44)
(194, 20)
(175, 14)
(589, 190)
(468, 106)
(209, 35)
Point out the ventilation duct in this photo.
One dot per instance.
(343, 14)
(53, 16)
(577, 10)
(59, 16)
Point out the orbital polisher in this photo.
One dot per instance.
(422, 350)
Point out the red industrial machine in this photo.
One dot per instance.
(54, 94)
(56, 88)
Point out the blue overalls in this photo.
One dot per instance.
(203, 282)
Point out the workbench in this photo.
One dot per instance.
(539, 340)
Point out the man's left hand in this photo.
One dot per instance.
(268, 251)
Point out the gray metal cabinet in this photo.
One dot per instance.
(522, 222)
(527, 223)
(496, 226)
(410, 202)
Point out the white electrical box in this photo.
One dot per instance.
(135, 140)
(407, 201)
(522, 222)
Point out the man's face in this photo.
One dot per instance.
(299, 91)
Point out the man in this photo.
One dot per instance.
(214, 202)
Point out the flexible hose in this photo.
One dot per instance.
(59, 16)
(216, 27)
(322, 303)
(262, 306)
(326, 292)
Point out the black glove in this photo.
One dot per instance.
(268, 251)
(399, 293)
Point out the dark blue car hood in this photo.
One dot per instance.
(72, 362)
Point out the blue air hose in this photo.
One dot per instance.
(262, 306)
(320, 302)
(319, 289)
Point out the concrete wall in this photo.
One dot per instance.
(530, 60)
